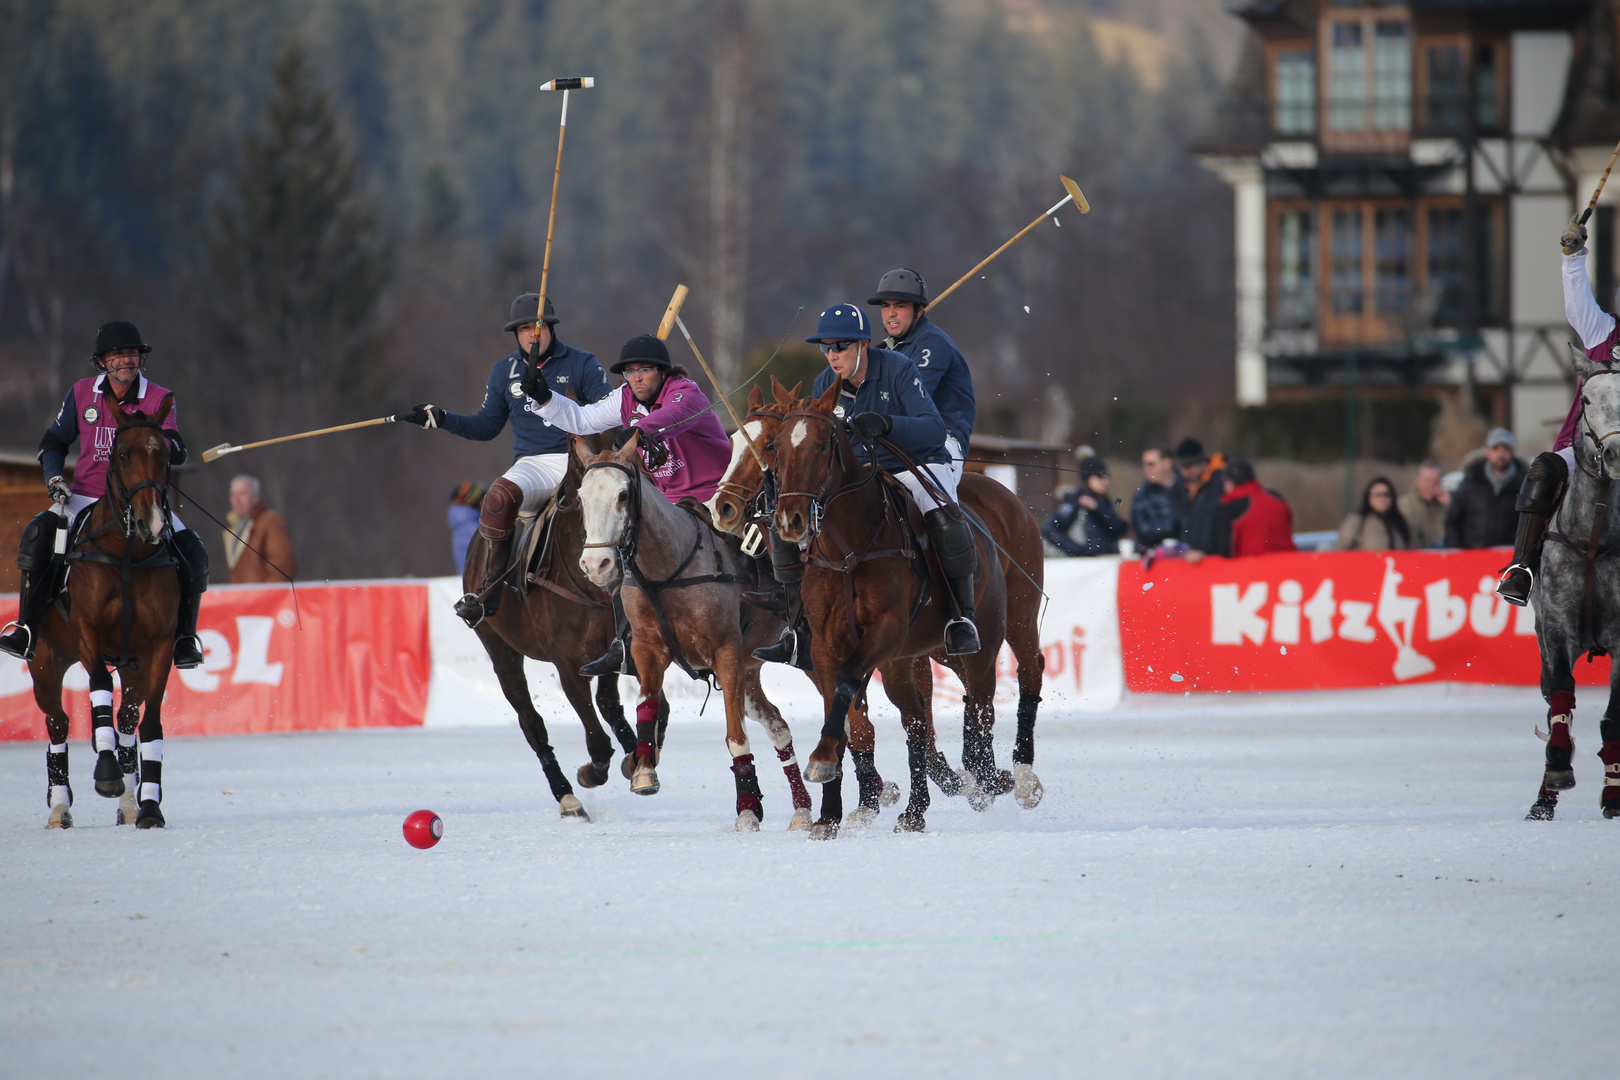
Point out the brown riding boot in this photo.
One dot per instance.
(497, 519)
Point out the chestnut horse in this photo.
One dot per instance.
(122, 606)
(742, 499)
(564, 620)
(682, 594)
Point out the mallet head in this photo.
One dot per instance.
(1074, 192)
(217, 451)
(579, 82)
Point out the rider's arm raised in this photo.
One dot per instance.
(1589, 320)
(490, 419)
(600, 415)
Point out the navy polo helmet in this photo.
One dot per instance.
(842, 322)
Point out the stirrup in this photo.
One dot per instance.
(1508, 590)
(787, 651)
(470, 610)
(968, 643)
(8, 644)
(616, 661)
(188, 652)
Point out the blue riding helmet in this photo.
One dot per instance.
(841, 322)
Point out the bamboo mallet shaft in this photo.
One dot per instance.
(1604, 179)
(226, 448)
(667, 323)
(718, 389)
(1074, 196)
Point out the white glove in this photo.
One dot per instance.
(60, 492)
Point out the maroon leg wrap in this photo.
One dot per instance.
(646, 728)
(1560, 703)
(747, 785)
(795, 779)
(1610, 756)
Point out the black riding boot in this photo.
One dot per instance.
(497, 520)
(793, 647)
(192, 558)
(617, 658)
(37, 560)
(1537, 502)
(953, 545)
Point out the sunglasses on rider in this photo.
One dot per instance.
(829, 347)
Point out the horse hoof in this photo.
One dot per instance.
(890, 795)
(1559, 779)
(1541, 810)
(592, 775)
(108, 776)
(800, 821)
(820, 772)
(825, 829)
(61, 818)
(910, 822)
(149, 816)
(1611, 811)
(1027, 787)
(645, 781)
(569, 806)
(126, 802)
(747, 821)
(627, 766)
(976, 796)
(861, 817)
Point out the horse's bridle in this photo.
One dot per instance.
(758, 503)
(628, 540)
(122, 494)
(820, 500)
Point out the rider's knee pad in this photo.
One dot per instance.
(499, 510)
(38, 542)
(193, 558)
(786, 566)
(952, 543)
(1543, 485)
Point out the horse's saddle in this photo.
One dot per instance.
(925, 562)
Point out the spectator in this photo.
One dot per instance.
(1201, 521)
(1158, 505)
(1424, 507)
(1482, 511)
(465, 500)
(253, 523)
(1253, 521)
(1379, 524)
(1086, 523)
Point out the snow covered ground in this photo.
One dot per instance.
(1285, 887)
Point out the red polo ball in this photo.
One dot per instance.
(423, 829)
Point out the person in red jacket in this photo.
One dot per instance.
(1253, 520)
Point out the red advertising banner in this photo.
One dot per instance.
(346, 655)
(1328, 620)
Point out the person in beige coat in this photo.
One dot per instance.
(1424, 507)
(1378, 525)
(252, 522)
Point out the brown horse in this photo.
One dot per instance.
(122, 606)
(563, 620)
(868, 610)
(740, 501)
(682, 594)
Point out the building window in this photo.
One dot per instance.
(1347, 78)
(1392, 76)
(1294, 94)
(1447, 278)
(1296, 269)
(1392, 250)
(1367, 84)
(1487, 86)
(1346, 263)
(1445, 95)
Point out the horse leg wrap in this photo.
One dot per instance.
(127, 759)
(978, 751)
(845, 692)
(151, 789)
(795, 779)
(867, 778)
(103, 734)
(1024, 743)
(647, 728)
(911, 819)
(57, 793)
(748, 793)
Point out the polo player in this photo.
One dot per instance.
(87, 417)
(540, 450)
(902, 299)
(881, 393)
(683, 445)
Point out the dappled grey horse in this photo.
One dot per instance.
(1577, 593)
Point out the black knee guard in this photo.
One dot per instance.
(786, 566)
(952, 543)
(192, 558)
(1543, 485)
(41, 569)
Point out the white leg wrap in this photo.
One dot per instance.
(126, 738)
(101, 697)
(152, 751)
(60, 796)
(152, 792)
(58, 748)
(106, 738)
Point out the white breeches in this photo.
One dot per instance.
(538, 475)
(1568, 454)
(942, 475)
(76, 503)
(954, 448)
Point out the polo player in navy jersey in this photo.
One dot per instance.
(540, 451)
(86, 417)
(902, 299)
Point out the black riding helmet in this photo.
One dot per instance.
(118, 335)
(904, 284)
(642, 349)
(524, 307)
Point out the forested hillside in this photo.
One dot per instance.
(319, 211)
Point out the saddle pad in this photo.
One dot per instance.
(534, 526)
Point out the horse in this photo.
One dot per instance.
(120, 608)
(864, 616)
(682, 594)
(742, 499)
(1577, 591)
(564, 620)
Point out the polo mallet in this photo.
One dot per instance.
(1604, 179)
(226, 448)
(584, 82)
(1073, 196)
(673, 314)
